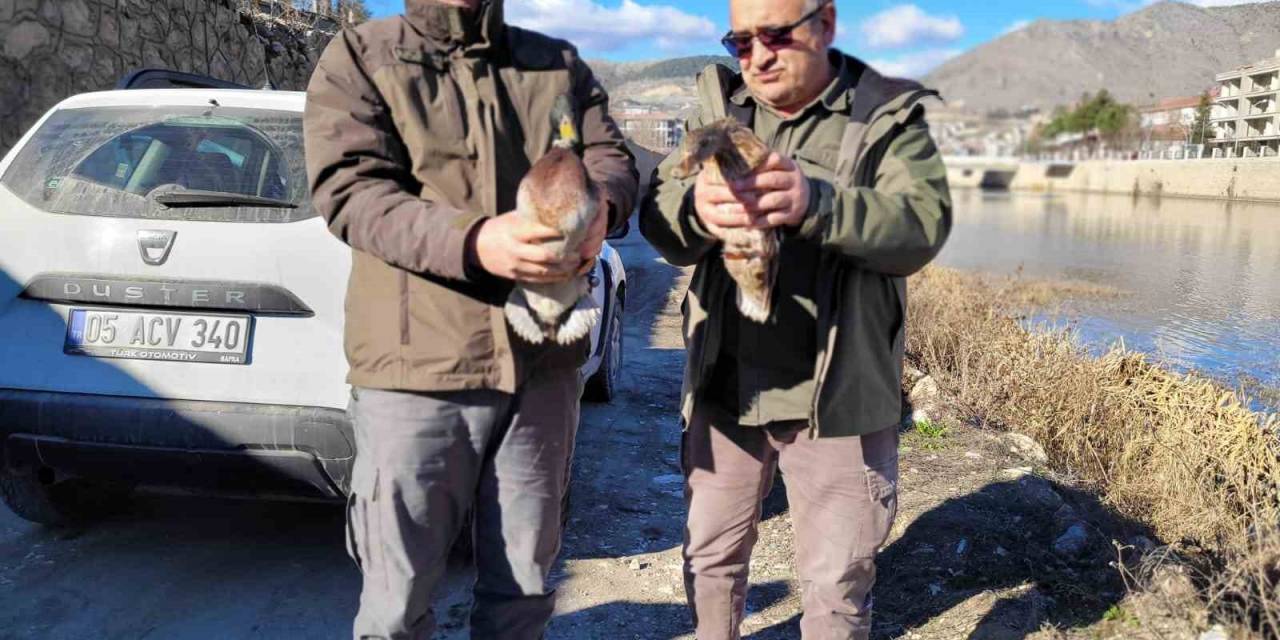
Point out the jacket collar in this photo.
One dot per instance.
(448, 27)
(838, 96)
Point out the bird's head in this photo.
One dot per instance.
(557, 191)
(734, 148)
(566, 132)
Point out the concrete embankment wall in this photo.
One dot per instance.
(1236, 179)
(982, 173)
(1251, 179)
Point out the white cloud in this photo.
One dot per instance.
(908, 25)
(1016, 26)
(590, 25)
(915, 64)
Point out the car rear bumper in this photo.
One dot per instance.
(216, 446)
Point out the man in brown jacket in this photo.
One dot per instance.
(859, 192)
(419, 129)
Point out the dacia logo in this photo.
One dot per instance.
(155, 246)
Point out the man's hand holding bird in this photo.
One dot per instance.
(775, 195)
(513, 247)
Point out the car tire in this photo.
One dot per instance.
(604, 384)
(36, 497)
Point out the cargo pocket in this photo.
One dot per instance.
(882, 506)
(359, 512)
(818, 163)
(355, 521)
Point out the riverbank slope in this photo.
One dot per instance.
(1179, 454)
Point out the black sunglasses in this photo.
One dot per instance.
(773, 37)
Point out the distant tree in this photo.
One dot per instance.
(348, 12)
(1057, 124)
(1116, 123)
(352, 12)
(1201, 132)
(1082, 118)
(1111, 119)
(1098, 113)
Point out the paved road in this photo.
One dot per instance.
(176, 567)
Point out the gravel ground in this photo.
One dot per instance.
(972, 554)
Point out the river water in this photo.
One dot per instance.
(1201, 278)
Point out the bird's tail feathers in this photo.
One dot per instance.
(521, 319)
(584, 315)
(754, 309)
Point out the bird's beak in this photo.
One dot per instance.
(568, 132)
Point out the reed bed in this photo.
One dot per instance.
(1181, 453)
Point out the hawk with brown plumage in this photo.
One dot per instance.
(731, 151)
(557, 193)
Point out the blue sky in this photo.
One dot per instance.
(904, 38)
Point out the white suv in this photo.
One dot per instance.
(171, 306)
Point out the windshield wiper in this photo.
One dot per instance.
(219, 199)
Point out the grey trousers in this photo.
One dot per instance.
(424, 462)
(842, 494)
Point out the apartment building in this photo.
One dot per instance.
(1246, 116)
(1169, 127)
(656, 130)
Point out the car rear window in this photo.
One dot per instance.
(117, 161)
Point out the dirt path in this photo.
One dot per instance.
(971, 556)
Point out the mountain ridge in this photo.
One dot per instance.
(1168, 49)
(616, 74)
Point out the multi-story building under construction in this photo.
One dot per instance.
(1246, 117)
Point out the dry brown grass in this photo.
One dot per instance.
(1181, 453)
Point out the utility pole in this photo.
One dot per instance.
(1204, 142)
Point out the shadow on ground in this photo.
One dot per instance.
(176, 566)
(987, 560)
(627, 618)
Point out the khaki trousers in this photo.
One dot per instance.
(843, 499)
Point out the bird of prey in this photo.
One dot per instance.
(558, 193)
(731, 151)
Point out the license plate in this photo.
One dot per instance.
(171, 337)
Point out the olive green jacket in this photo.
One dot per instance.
(886, 214)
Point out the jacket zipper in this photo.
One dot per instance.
(824, 363)
(833, 331)
(404, 308)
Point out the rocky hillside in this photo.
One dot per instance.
(53, 49)
(617, 74)
(1167, 49)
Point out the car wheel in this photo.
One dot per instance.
(604, 385)
(38, 496)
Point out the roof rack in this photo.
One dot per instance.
(166, 79)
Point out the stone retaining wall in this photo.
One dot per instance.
(1243, 179)
(1255, 179)
(52, 49)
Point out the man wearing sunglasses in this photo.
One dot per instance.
(859, 192)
